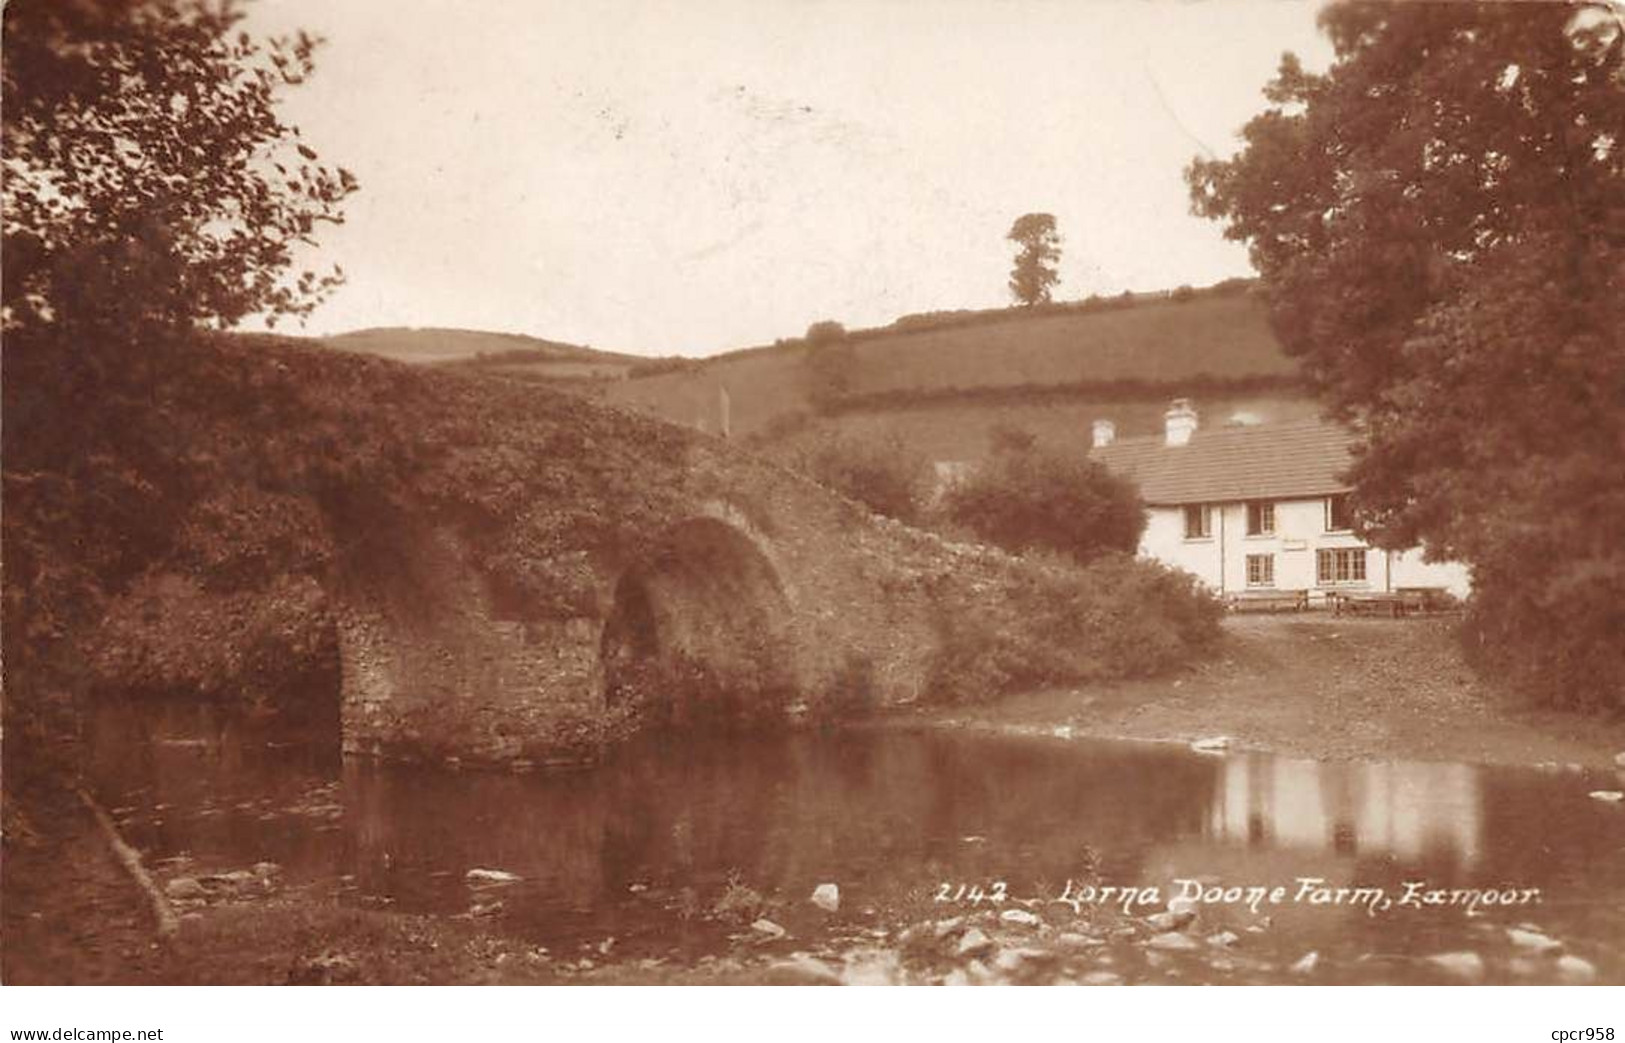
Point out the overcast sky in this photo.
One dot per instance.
(691, 177)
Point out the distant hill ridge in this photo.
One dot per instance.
(440, 344)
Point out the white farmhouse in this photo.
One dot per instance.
(1258, 508)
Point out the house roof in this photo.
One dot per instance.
(1293, 460)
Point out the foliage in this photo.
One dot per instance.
(885, 474)
(149, 190)
(1042, 499)
(1440, 223)
(830, 365)
(1034, 274)
(825, 332)
(1115, 618)
(149, 184)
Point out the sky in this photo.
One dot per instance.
(686, 178)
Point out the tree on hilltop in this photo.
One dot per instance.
(1034, 274)
(1439, 220)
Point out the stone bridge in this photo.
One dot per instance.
(757, 581)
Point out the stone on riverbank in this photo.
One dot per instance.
(1467, 967)
(491, 876)
(974, 943)
(1307, 964)
(1173, 941)
(1571, 970)
(827, 897)
(1020, 917)
(1170, 920)
(767, 928)
(184, 887)
(1533, 941)
(801, 969)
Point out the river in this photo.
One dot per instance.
(667, 851)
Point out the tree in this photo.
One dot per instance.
(149, 185)
(150, 192)
(1029, 498)
(1034, 273)
(829, 363)
(1439, 220)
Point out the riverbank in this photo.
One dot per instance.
(1318, 686)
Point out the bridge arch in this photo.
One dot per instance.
(700, 628)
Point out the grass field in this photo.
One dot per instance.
(960, 429)
(1161, 343)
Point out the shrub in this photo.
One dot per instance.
(1040, 499)
(885, 474)
(1065, 624)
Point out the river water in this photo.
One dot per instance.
(638, 858)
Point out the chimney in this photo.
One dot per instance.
(1179, 423)
(1105, 433)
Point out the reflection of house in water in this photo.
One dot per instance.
(1407, 811)
(1275, 818)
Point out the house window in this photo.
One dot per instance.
(1198, 521)
(1338, 516)
(1261, 570)
(1344, 565)
(1261, 518)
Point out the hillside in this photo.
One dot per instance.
(510, 354)
(942, 381)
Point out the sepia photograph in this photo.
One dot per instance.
(812, 492)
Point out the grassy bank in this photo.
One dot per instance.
(1325, 687)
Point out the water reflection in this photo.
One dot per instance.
(628, 849)
(1412, 812)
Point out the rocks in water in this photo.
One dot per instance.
(1013, 961)
(1532, 941)
(1465, 967)
(1619, 759)
(872, 967)
(945, 928)
(324, 969)
(491, 876)
(184, 888)
(267, 870)
(1076, 941)
(767, 929)
(1526, 966)
(1571, 970)
(1101, 978)
(1173, 941)
(1223, 940)
(1020, 917)
(974, 943)
(827, 897)
(1170, 920)
(801, 969)
(1607, 796)
(1306, 964)
(1214, 744)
